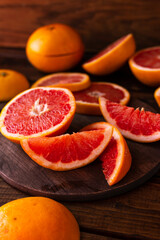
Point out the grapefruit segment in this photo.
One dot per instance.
(87, 100)
(111, 58)
(157, 96)
(67, 152)
(37, 112)
(140, 126)
(145, 65)
(72, 81)
(116, 158)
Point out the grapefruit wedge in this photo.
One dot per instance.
(87, 100)
(112, 57)
(67, 152)
(157, 96)
(116, 158)
(135, 124)
(72, 81)
(145, 65)
(37, 112)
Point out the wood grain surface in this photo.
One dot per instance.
(134, 215)
(87, 183)
(99, 22)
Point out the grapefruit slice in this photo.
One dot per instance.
(112, 57)
(157, 96)
(145, 65)
(135, 124)
(37, 112)
(116, 158)
(72, 81)
(87, 100)
(67, 152)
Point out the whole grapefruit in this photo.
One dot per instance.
(55, 47)
(35, 218)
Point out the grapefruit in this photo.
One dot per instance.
(145, 65)
(157, 96)
(72, 81)
(55, 47)
(37, 112)
(11, 83)
(135, 124)
(112, 57)
(116, 158)
(87, 100)
(67, 151)
(35, 218)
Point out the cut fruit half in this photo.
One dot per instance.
(72, 81)
(67, 152)
(87, 100)
(135, 124)
(157, 96)
(145, 65)
(37, 112)
(116, 158)
(112, 57)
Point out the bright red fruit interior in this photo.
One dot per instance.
(149, 58)
(36, 111)
(107, 49)
(135, 121)
(61, 79)
(95, 91)
(67, 148)
(108, 158)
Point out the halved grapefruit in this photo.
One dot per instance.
(157, 96)
(135, 124)
(145, 65)
(112, 57)
(67, 152)
(72, 81)
(87, 100)
(37, 112)
(116, 158)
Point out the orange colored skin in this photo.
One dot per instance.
(112, 60)
(11, 84)
(52, 132)
(147, 76)
(157, 96)
(55, 47)
(74, 86)
(35, 218)
(125, 160)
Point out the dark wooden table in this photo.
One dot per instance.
(133, 215)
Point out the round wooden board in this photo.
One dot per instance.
(87, 183)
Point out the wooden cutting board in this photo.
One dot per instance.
(87, 183)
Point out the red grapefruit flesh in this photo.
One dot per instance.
(72, 81)
(135, 124)
(37, 112)
(145, 65)
(112, 57)
(87, 100)
(67, 152)
(116, 158)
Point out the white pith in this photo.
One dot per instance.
(59, 166)
(36, 110)
(144, 68)
(139, 138)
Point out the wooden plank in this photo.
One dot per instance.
(90, 236)
(107, 20)
(134, 215)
